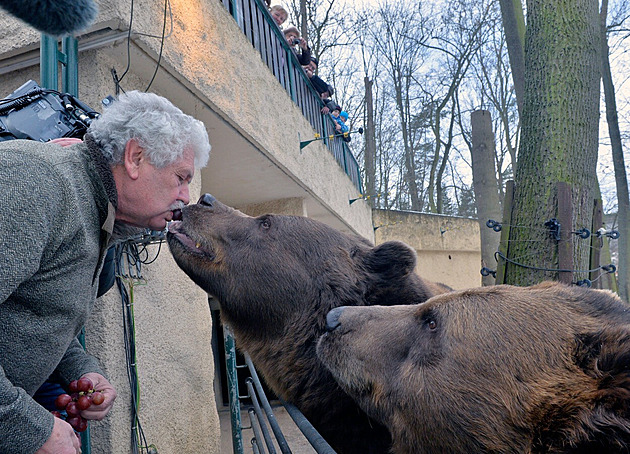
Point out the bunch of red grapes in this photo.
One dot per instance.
(81, 397)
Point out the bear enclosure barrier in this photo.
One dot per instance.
(261, 31)
(261, 411)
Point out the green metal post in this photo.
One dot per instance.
(70, 70)
(48, 59)
(232, 379)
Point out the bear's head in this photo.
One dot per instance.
(268, 270)
(497, 369)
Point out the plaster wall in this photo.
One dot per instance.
(448, 247)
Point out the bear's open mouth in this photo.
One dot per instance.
(176, 230)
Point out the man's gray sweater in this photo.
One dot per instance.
(57, 213)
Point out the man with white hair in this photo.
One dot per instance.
(60, 206)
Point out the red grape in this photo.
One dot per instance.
(81, 425)
(84, 384)
(84, 402)
(73, 409)
(78, 423)
(57, 414)
(62, 400)
(98, 398)
(73, 387)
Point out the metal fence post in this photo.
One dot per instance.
(232, 381)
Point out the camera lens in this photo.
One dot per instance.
(296, 41)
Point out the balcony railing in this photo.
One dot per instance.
(262, 32)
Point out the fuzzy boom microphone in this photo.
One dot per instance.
(54, 17)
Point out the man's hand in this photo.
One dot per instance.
(62, 440)
(101, 384)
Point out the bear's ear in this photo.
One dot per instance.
(391, 259)
(605, 421)
(605, 354)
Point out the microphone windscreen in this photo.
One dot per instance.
(54, 17)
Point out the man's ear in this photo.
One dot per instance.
(391, 259)
(133, 156)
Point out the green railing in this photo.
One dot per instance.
(262, 32)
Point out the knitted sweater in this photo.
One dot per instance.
(57, 215)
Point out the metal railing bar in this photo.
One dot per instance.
(255, 448)
(233, 395)
(256, 426)
(311, 434)
(265, 431)
(275, 427)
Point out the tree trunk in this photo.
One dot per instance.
(370, 144)
(621, 179)
(514, 29)
(485, 187)
(559, 137)
(402, 95)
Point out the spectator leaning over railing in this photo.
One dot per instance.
(279, 14)
(324, 90)
(340, 122)
(292, 35)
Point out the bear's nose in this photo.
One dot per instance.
(207, 200)
(332, 319)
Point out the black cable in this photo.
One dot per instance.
(157, 66)
(119, 79)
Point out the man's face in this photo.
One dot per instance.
(312, 66)
(291, 36)
(149, 199)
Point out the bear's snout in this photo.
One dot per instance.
(332, 319)
(207, 200)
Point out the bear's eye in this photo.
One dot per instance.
(432, 324)
(265, 223)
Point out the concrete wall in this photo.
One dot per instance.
(448, 247)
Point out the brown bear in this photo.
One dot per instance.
(542, 369)
(276, 277)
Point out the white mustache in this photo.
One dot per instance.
(177, 206)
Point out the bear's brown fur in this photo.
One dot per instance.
(543, 369)
(276, 277)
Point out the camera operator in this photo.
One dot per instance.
(60, 207)
(292, 35)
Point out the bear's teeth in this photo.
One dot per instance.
(198, 245)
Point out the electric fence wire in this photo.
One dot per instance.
(497, 227)
(129, 257)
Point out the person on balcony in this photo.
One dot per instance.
(279, 14)
(340, 122)
(298, 45)
(61, 207)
